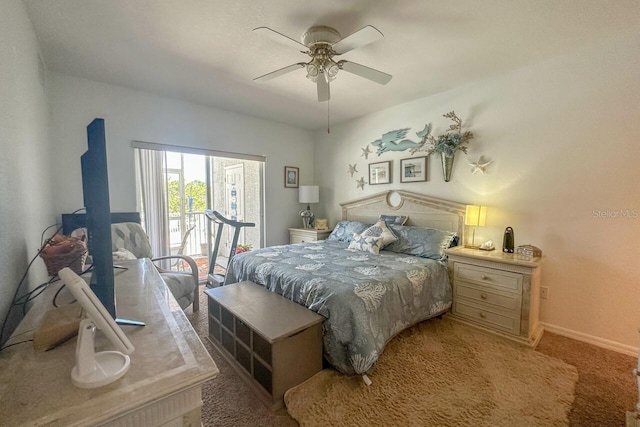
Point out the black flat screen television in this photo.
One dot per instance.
(95, 191)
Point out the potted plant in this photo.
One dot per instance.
(243, 248)
(449, 142)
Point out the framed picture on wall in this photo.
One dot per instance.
(413, 169)
(379, 173)
(291, 176)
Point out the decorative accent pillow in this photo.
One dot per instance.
(380, 229)
(79, 233)
(394, 219)
(366, 243)
(344, 231)
(123, 254)
(421, 241)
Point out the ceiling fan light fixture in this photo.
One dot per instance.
(313, 70)
(331, 69)
(327, 67)
(322, 44)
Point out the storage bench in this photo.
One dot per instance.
(273, 343)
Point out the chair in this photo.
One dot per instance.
(179, 263)
(183, 285)
(214, 279)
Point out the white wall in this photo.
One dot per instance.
(134, 115)
(564, 138)
(26, 205)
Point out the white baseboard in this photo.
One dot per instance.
(590, 339)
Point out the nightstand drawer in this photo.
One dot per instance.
(509, 301)
(307, 235)
(301, 238)
(493, 318)
(489, 277)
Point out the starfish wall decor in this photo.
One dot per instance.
(365, 152)
(352, 169)
(480, 166)
(360, 182)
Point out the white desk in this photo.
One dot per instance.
(162, 386)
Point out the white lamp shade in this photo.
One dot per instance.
(309, 194)
(475, 215)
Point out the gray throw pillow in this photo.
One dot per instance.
(394, 219)
(421, 241)
(344, 231)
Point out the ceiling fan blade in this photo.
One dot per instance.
(366, 72)
(362, 37)
(280, 38)
(323, 89)
(278, 73)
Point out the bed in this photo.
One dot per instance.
(367, 298)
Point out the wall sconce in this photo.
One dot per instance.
(475, 216)
(308, 194)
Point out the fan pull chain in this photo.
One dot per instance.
(328, 124)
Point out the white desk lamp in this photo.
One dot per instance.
(308, 194)
(475, 216)
(93, 369)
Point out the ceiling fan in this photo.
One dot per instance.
(322, 43)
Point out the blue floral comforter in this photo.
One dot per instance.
(366, 298)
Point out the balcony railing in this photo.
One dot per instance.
(197, 241)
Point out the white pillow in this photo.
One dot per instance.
(380, 229)
(79, 233)
(123, 254)
(366, 243)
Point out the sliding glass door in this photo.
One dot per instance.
(195, 182)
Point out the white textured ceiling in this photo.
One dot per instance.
(204, 51)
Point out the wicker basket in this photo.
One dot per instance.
(74, 259)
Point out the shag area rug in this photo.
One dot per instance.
(442, 373)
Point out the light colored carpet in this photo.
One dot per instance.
(442, 373)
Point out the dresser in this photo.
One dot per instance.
(161, 388)
(302, 235)
(497, 292)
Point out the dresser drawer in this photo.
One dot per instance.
(488, 277)
(485, 296)
(487, 316)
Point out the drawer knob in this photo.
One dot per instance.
(483, 296)
(486, 278)
(482, 315)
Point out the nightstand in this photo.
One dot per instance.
(302, 235)
(497, 292)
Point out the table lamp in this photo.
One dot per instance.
(308, 194)
(475, 216)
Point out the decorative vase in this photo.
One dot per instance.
(447, 165)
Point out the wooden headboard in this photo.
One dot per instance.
(422, 210)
